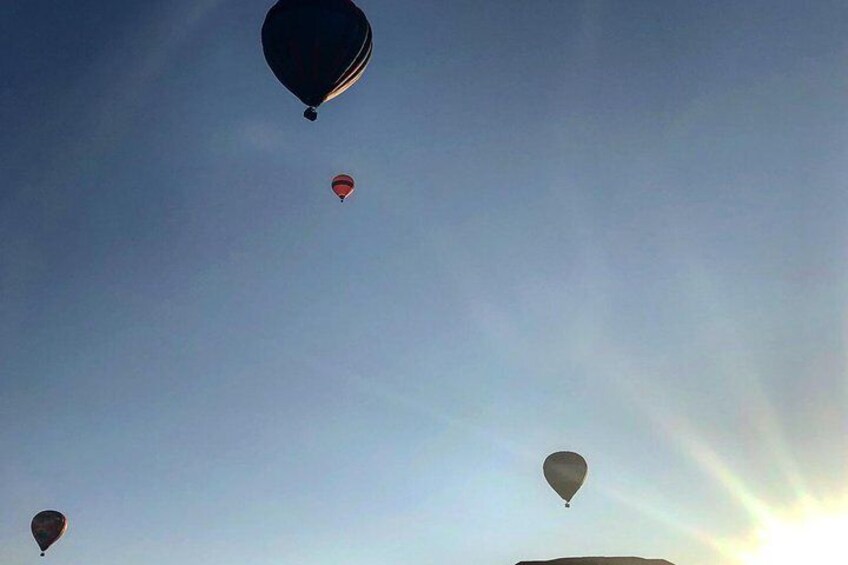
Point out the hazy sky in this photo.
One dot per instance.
(619, 228)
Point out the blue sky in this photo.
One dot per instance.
(617, 228)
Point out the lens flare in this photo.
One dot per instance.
(812, 539)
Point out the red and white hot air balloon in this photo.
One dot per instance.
(343, 186)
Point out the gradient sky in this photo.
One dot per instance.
(619, 228)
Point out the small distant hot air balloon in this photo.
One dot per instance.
(343, 186)
(316, 48)
(47, 527)
(565, 472)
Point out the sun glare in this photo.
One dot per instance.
(812, 539)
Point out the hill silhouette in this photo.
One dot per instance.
(599, 561)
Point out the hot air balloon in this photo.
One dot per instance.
(316, 48)
(47, 527)
(565, 472)
(343, 186)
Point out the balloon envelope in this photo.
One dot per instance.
(316, 48)
(565, 472)
(343, 186)
(47, 527)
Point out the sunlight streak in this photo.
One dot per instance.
(680, 430)
(747, 379)
(406, 400)
(658, 511)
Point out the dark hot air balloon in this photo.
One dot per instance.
(47, 527)
(565, 472)
(316, 48)
(343, 186)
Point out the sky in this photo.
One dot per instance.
(613, 227)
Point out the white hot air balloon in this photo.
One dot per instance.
(565, 472)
